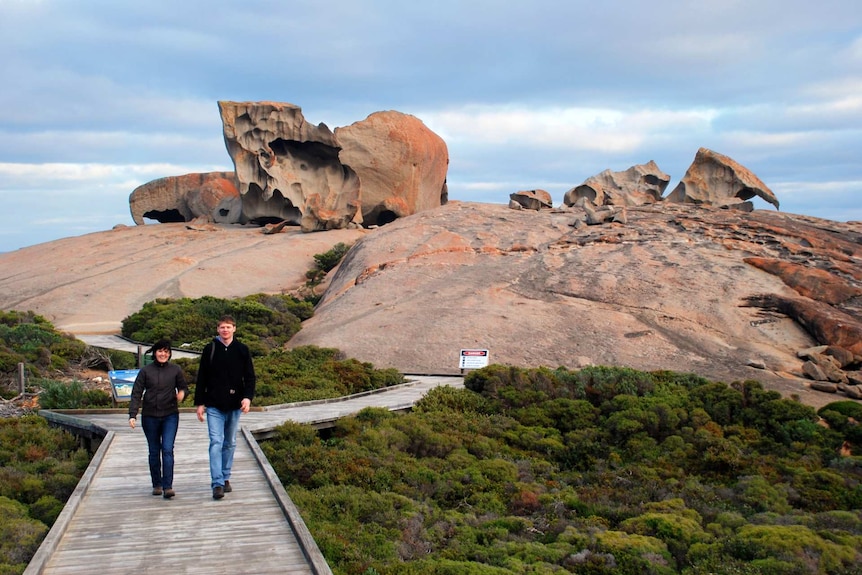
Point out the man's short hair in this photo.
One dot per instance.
(227, 319)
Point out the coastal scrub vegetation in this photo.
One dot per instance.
(325, 263)
(600, 470)
(30, 339)
(306, 373)
(39, 469)
(264, 321)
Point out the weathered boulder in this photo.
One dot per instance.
(851, 391)
(811, 369)
(388, 166)
(716, 180)
(401, 165)
(815, 283)
(640, 184)
(603, 214)
(827, 324)
(531, 200)
(824, 386)
(212, 195)
(854, 377)
(288, 169)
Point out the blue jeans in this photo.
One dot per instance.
(222, 426)
(161, 433)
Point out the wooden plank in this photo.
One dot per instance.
(119, 527)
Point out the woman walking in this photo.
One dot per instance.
(159, 389)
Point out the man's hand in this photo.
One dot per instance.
(245, 405)
(201, 409)
(132, 422)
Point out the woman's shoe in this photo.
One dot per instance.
(157, 490)
(169, 492)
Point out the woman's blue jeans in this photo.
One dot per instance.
(161, 432)
(222, 426)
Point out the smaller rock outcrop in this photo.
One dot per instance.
(716, 180)
(211, 195)
(813, 283)
(640, 184)
(530, 200)
(832, 369)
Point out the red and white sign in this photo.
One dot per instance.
(474, 358)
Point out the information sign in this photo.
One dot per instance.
(474, 358)
(122, 382)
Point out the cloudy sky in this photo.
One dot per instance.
(100, 96)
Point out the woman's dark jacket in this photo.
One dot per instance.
(155, 390)
(225, 375)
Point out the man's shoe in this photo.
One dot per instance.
(169, 492)
(227, 487)
(157, 490)
(218, 492)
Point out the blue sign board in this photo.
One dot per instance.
(122, 381)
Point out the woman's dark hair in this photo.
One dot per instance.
(161, 344)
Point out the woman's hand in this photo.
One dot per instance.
(132, 422)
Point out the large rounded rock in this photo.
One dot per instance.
(183, 198)
(401, 165)
(388, 166)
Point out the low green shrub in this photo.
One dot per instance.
(61, 395)
(28, 338)
(39, 469)
(605, 472)
(308, 372)
(264, 321)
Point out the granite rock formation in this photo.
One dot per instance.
(725, 294)
(388, 166)
(530, 200)
(210, 195)
(668, 289)
(287, 168)
(640, 184)
(716, 180)
(401, 165)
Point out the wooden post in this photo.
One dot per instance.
(22, 381)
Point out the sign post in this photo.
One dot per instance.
(473, 359)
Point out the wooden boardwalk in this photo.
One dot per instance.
(113, 525)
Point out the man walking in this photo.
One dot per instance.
(224, 390)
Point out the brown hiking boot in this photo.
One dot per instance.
(157, 490)
(169, 492)
(218, 492)
(227, 487)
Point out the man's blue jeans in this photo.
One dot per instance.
(161, 432)
(222, 426)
